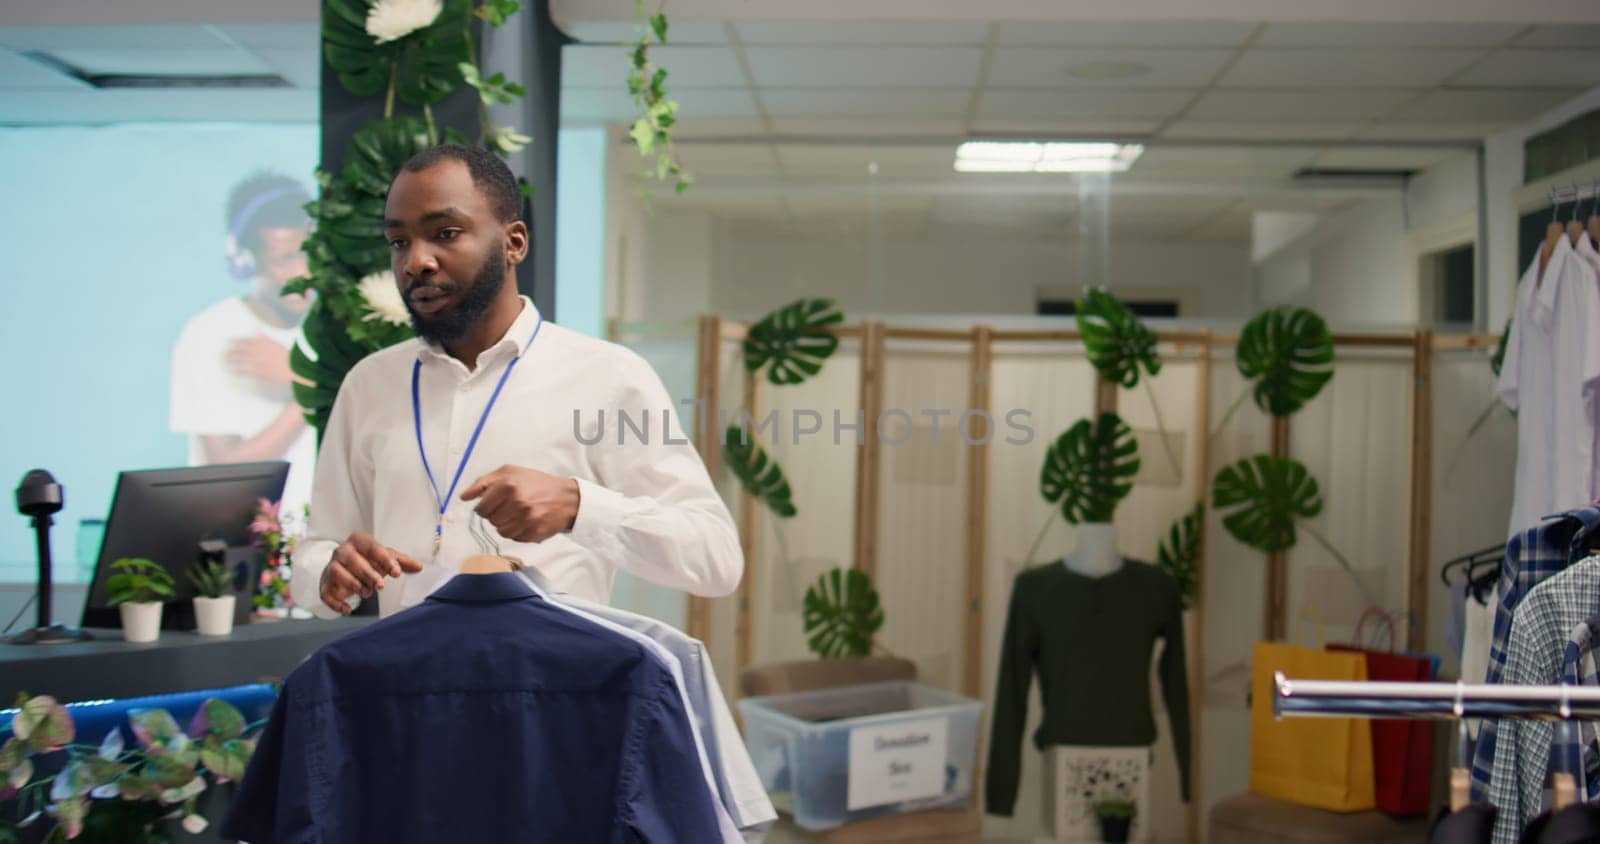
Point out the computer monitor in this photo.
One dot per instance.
(163, 514)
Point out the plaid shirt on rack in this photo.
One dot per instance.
(1535, 653)
(1579, 751)
(1532, 556)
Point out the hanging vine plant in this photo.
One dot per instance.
(758, 473)
(793, 341)
(1179, 554)
(841, 614)
(652, 129)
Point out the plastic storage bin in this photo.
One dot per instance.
(851, 753)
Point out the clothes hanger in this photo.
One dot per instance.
(1552, 233)
(1594, 215)
(1471, 561)
(1575, 228)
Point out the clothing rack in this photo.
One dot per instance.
(1572, 193)
(1439, 701)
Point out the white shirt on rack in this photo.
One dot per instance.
(647, 505)
(1550, 377)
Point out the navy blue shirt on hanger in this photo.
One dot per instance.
(482, 714)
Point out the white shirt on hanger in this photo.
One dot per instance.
(1550, 377)
(647, 505)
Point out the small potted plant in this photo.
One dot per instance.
(213, 598)
(137, 590)
(1116, 818)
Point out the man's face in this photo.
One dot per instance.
(279, 261)
(448, 252)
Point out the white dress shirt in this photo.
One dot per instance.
(647, 505)
(1550, 377)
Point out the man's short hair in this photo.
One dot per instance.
(489, 174)
(265, 201)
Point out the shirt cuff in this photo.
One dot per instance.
(304, 587)
(600, 512)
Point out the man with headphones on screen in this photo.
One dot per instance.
(231, 383)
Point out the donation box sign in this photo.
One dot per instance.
(898, 762)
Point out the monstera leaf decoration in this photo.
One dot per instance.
(758, 473)
(1089, 469)
(1119, 345)
(795, 340)
(336, 354)
(424, 64)
(1266, 494)
(1179, 554)
(1288, 353)
(841, 614)
(1498, 359)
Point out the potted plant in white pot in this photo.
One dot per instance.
(137, 590)
(213, 598)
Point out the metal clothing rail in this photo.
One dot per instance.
(1442, 701)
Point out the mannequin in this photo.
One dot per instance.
(1089, 628)
(1096, 554)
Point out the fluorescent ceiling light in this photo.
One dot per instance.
(1052, 157)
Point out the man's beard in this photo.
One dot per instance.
(453, 324)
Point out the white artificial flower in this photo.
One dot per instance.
(383, 299)
(194, 824)
(391, 20)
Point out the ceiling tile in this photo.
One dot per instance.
(1110, 128)
(624, 32)
(189, 61)
(274, 35)
(277, 105)
(1078, 103)
(886, 33)
(864, 66)
(1462, 130)
(1035, 67)
(694, 126)
(1281, 68)
(687, 67)
(1562, 35)
(301, 66)
(841, 102)
(609, 105)
(854, 160)
(1479, 106)
(1118, 34)
(1545, 68)
(1245, 163)
(1385, 158)
(1251, 131)
(725, 160)
(1294, 107)
(873, 126)
(1328, 34)
(19, 73)
(164, 36)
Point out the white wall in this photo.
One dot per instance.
(742, 276)
(1351, 268)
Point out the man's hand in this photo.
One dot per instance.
(261, 358)
(525, 505)
(358, 568)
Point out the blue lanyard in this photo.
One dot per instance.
(416, 417)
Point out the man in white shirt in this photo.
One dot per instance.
(495, 411)
(230, 366)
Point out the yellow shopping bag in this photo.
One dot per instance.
(1321, 762)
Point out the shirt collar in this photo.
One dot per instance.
(516, 337)
(483, 589)
(1549, 284)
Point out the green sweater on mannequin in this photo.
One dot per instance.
(1090, 639)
